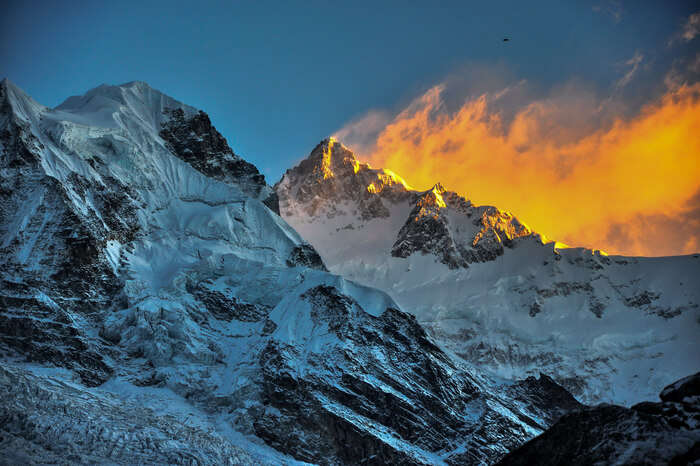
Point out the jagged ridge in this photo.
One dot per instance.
(496, 293)
(331, 183)
(139, 272)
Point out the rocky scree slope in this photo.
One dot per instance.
(154, 308)
(495, 293)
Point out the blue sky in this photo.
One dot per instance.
(277, 77)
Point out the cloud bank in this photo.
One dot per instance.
(570, 165)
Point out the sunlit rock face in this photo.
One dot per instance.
(330, 177)
(427, 231)
(331, 183)
(154, 308)
(613, 329)
(436, 226)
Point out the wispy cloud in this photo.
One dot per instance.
(684, 72)
(689, 31)
(632, 66)
(691, 27)
(612, 8)
(362, 132)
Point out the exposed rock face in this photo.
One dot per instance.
(331, 176)
(497, 230)
(146, 287)
(223, 304)
(685, 390)
(331, 183)
(648, 433)
(494, 292)
(428, 230)
(52, 239)
(306, 256)
(195, 140)
(379, 384)
(544, 394)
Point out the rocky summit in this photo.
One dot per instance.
(495, 293)
(154, 308)
(332, 184)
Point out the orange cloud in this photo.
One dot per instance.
(630, 188)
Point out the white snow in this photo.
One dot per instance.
(482, 312)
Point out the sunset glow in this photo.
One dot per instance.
(627, 188)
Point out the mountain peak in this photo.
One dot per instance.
(136, 83)
(331, 184)
(432, 201)
(6, 84)
(329, 141)
(332, 160)
(136, 100)
(438, 188)
(133, 86)
(330, 157)
(109, 91)
(7, 88)
(20, 103)
(331, 175)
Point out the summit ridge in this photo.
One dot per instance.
(496, 293)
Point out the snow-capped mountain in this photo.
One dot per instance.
(608, 328)
(155, 309)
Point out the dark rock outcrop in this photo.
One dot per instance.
(685, 390)
(305, 255)
(428, 230)
(667, 432)
(225, 305)
(196, 141)
(546, 396)
(380, 384)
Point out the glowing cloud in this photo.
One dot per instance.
(629, 187)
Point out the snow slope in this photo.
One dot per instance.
(155, 308)
(608, 328)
